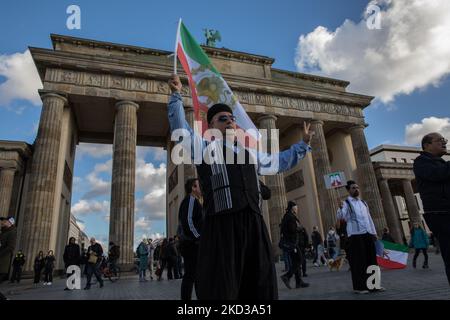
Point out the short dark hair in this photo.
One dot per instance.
(427, 139)
(189, 184)
(349, 184)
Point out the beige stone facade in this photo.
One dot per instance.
(100, 92)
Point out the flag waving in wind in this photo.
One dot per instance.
(391, 255)
(206, 83)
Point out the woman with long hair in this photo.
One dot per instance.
(48, 269)
(39, 263)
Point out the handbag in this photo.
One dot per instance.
(92, 258)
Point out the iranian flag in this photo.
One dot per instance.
(207, 85)
(391, 255)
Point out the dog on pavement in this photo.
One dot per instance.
(336, 264)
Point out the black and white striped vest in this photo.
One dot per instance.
(229, 188)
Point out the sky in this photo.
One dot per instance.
(398, 52)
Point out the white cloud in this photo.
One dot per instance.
(93, 150)
(415, 131)
(85, 207)
(99, 186)
(411, 50)
(142, 224)
(22, 79)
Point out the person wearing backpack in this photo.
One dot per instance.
(361, 237)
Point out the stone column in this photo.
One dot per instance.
(189, 169)
(328, 198)
(411, 204)
(392, 218)
(6, 187)
(40, 202)
(121, 221)
(366, 177)
(277, 203)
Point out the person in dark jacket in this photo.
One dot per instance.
(94, 259)
(72, 255)
(316, 239)
(433, 182)
(113, 255)
(190, 218)
(49, 265)
(387, 236)
(39, 264)
(8, 238)
(18, 262)
(290, 228)
(163, 256)
(303, 243)
(172, 254)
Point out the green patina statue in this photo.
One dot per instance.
(211, 37)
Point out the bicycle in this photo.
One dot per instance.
(113, 274)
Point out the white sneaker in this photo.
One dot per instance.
(45, 283)
(316, 264)
(49, 284)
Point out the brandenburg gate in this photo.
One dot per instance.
(101, 92)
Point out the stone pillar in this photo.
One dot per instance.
(411, 204)
(37, 222)
(392, 218)
(366, 177)
(6, 188)
(189, 169)
(328, 198)
(121, 221)
(277, 203)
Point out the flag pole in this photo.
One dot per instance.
(175, 57)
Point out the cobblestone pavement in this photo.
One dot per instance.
(409, 283)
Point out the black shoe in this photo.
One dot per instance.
(302, 285)
(87, 287)
(425, 266)
(305, 275)
(286, 282)
(66, 289)
(101, 285)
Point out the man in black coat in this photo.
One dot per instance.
(293, 237)
(433, 181)
(72, 255)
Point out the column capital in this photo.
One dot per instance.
(126, 102)
(317, 122)
(8, 168)
(358, 126)
(51, 94)
(267, 116)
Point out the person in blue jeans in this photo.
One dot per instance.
(420, 242)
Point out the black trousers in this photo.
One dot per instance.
(16, 274)
(93, 269)
(48, 275)
(439, 224)
(189, 251)
(303, 261)
(37, 275)
(425, 254)
(235, 258)
(296, 258)
(362, 255)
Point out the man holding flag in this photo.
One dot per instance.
(235, 252)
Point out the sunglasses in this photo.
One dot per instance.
(225, 118)
(442, 140)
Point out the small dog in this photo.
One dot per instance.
(336, 264)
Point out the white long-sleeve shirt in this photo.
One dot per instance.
(358, 220)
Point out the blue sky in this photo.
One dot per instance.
(405, 64)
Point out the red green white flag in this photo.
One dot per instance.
(391, 255)
(207, 85)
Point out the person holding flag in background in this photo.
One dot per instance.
(235, 258)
